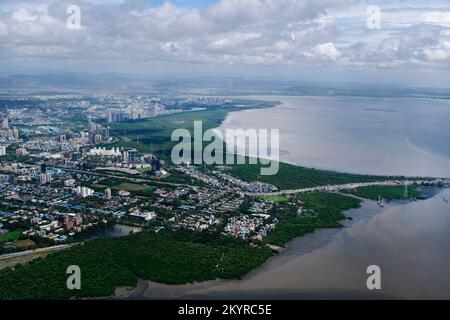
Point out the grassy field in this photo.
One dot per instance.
(149, 188)
(117, 185)
(10, 236)
(128, 187)
(386, 192)
(154, 135)
(276, 198)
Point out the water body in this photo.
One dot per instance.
(410, 242)
(360, 135)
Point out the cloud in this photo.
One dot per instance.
(235, 32)
(438, 53)
(324, 50)
(438, 18)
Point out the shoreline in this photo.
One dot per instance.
(324, 236)
(432, 154)
(296, 248)
(152, 290)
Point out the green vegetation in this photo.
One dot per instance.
(386, 192)
(290, 177)
(10, 236)
(154, 135)
(149, 189)
(276, 198)
(128, 187)
(117, 185)
(323, 210)
(172, 258)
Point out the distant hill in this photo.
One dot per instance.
(202, 85)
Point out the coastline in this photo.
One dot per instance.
(308, 243)
(300, 248)
(296, 248)
(412, 150)
(319, 238)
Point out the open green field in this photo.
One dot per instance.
(149, 188)
(154, 135)
(128, 187)
(172, 258)
(10, 236)
(386, 192)
(137, 189)
(275, 198)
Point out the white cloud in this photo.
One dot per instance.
(438, 18)
(238, 32)
(439, 53)
(324, 50)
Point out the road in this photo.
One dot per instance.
(108, 175)
(30, 252)
(338, 187)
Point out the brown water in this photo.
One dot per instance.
(362, 135)
(410, 242)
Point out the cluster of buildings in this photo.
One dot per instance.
(58, 190)
(103, 152)
(255, 226)
(223, 180)
(248, 186)
(198, 222)
(37, 224)
(7, 135)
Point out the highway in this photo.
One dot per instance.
(29, 252)
(108, 175)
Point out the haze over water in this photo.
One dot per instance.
(392, 136)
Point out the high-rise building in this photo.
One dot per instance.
(15, 133)
(84, 192)
(5, 124)
(91, 138)
(90, 123)
(43, 168)
(97, 138)
(69, 183)
(131, 156)
(45, 178)
(2, 151)
(21, 152)
(108, 194)
(156, 164)
(76, 156)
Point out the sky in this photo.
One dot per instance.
(404, 42)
